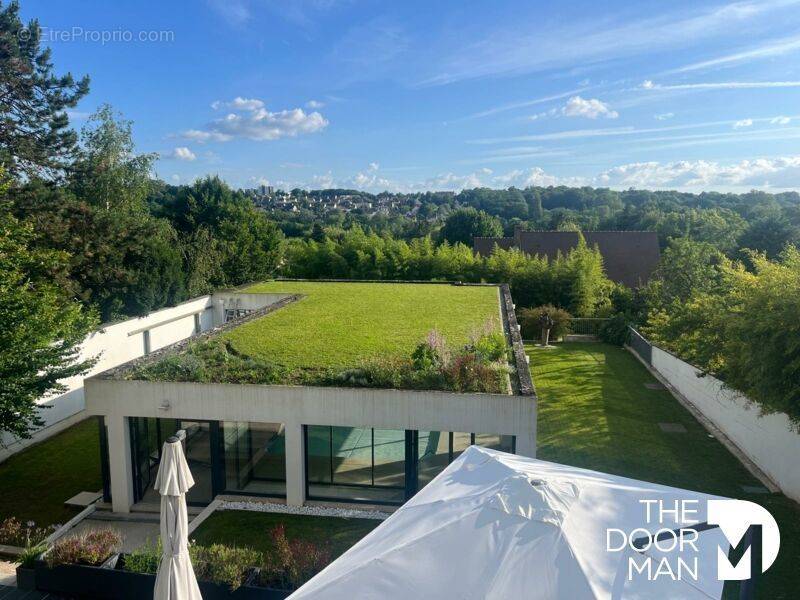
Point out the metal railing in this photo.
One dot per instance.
(586, 326)
(640, 346)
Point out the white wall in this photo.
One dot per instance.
(118, 343)
(114, 344)
(767, 440)
(295, 406)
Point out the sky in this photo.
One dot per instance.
(409, 96)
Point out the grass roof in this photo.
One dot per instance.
(339, 325)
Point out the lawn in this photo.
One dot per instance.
(35, 482)
(595, 412)
(252, 529)
(338, 325)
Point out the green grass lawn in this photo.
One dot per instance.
(595, 412)
(338, 325)
(253, 530)
(35, 482)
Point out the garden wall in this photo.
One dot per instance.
(114, 343)
(767, 440)
(118, 343)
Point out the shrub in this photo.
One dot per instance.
(15, 533)
(294, 561)
(91, 548)
(489, 347)
(210, 361)
(222, 564)
(145, 559)
(432, 353)
(466, 373)
(615, 330)
(27, 559)
(529, 320)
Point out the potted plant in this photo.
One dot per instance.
(80, 565)
(26, 572)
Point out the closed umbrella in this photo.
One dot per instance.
(175, 579)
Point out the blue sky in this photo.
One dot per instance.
(444, 95)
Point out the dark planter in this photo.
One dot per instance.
(112, 582)
(26, 578)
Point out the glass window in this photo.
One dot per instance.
(352, 455)
(433, 455)
(255, 458)
(389, 468)
(148, 436)
(356, 464)
(319, 467)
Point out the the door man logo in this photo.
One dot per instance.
(735, 518)
(676, 551)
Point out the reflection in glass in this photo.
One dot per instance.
(355, 463)
(433, 455)
(255, 457)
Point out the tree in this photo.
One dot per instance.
(41, 328)
(35, 139)
(108, 174)
(770, 234)
(250, 245)
(745, 331)
(467, 223)
(121, 262)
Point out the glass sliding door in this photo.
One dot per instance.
(355, 464)
(147, 438)
(382, 466)
(433, 455)
(255, 458)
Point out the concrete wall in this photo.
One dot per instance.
(295, 406)
(118, 343)
(768, 440)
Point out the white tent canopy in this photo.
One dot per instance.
(500, 526)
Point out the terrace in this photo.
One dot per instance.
(330, 391)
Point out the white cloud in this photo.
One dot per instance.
(204, 136)
(314, 104)
(522, 104)
(724, 85)
(238, 103)
(777, 173)
(182, 153)
(591, 108)
(249, 119)
(743, 123)
(781, 173)
(780, 120)
(524, 45)
(773, 48)
(663, 116)
(77, 115)
(373, 166)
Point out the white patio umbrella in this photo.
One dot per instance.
(500, 527)
(175, 579)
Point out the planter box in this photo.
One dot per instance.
(110, 582)
(26, 578)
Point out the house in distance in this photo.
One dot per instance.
(629, 257)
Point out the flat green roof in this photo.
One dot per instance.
(341, 324)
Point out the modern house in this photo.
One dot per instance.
(629, 257)
(279, 402)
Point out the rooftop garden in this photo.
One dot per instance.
(386, 335)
